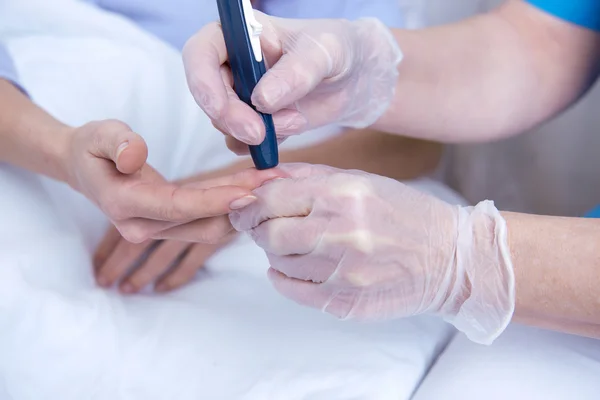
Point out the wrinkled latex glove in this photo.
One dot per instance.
(322, 72)
(362, 246)
(106, 162)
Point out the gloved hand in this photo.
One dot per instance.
(322, 72)
(106, 162)
(363, 246)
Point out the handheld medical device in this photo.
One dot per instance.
(242, 39)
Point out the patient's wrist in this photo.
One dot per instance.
(57, 154)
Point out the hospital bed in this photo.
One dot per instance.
(227, 335)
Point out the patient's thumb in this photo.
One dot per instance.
(131, 155)
(127, 149)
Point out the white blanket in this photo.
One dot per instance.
(228, 335)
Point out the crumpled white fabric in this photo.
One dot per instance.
(228, 335)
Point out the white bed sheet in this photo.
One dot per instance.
(227, 335)
(523, 364)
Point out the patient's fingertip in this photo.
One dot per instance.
(131, 156)
(98, 261)
(162, 287)
(102, 281)
(127, 288)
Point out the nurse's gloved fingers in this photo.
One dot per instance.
(280, 198)
(106, 247)
(296, 196)
(153, 265)
(207, 230)
(239, 119)
(203, 55)
(211, 84)
(338, 302)
(194, 259)
(249, 179)
(115, 141)
(304, 268)
(303, 292)
(289, 236)
(297, 73)
(123, 259)
(289, 122)
(303, 170)
(237, 147)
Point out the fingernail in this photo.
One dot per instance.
(243, 202)
(120, 149)
(102, 281)
(127, 288)
(249, 133)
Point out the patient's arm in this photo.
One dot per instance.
(557, 272)
(29, 137)
(106, 162)
(372, 151)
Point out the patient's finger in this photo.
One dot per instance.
(125, 257)
(165, 202)
(106, 247)
(137, 230)
(207, 230)
(249, 179)
(192, 261)
(114, 140)
(165, 256)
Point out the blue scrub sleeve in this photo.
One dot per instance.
(594, 213)
(585, 13)
(7, 68)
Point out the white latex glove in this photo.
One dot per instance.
(322, 72)
(358, 245)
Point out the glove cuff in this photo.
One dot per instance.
(375, 80)
(484, 271)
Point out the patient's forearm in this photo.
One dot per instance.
(557, 272)
(374, 152)
(491, 76)
(29, 137)
(371, 151)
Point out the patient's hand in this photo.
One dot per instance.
(106, 161)
(167, 264)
